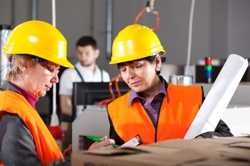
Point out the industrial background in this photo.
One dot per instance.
(219, 27)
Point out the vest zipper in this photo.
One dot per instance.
(157, 121)
(156, 127)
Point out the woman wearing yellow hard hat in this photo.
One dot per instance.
(153, 109)
(36, 51)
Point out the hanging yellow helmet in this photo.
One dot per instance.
(135, 42)
(38, 38)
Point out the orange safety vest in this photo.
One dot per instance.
(179, 107)
(46, 146)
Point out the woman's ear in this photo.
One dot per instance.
(23, 65)
(158, 63)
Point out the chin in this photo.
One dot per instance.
(86, 65)
(137, 89)
(41, 94)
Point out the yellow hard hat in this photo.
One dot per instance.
(40, 39)
(135, 42)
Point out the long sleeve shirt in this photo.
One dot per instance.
(16, 142)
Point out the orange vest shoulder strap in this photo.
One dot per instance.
(47, 148)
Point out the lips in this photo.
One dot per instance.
(135, 83)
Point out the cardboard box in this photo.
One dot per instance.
(221, 151)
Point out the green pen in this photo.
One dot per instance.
(94, 138)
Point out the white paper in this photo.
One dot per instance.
(133, 142)
(219, 96)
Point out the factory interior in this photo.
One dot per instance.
(124, 82)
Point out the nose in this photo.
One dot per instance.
(84, 55)
(55, 79)
(131, 73)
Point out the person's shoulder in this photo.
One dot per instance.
(68, 71)
(17, 141)
(104, 71)
(121, 98)
(105, 75)
(68, 74)
(12, 121)
(15, 129)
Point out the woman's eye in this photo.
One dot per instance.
(52, 70)
(122, 69)
(139, 65)
(49, 68)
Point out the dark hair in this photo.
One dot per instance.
(86, 41)
(150, 59)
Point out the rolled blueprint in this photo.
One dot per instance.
(219, 96)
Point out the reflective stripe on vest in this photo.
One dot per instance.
(46, 146)
(178, 110)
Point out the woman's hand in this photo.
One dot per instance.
(105, 142)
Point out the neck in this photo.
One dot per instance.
(23, 86)
(91, 67)
(19, 84)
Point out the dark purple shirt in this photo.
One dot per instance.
(153, 105)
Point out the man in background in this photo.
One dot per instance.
(86, 70)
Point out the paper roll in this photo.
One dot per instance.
(219, 96)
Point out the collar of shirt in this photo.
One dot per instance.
(135, 96)
(31, 99)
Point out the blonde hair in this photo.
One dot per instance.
(17, 63)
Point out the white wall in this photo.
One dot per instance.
(239, 27)
(220, 27)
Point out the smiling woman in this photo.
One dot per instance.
(33, 71)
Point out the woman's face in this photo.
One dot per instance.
(139, 75)
(41, 77)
